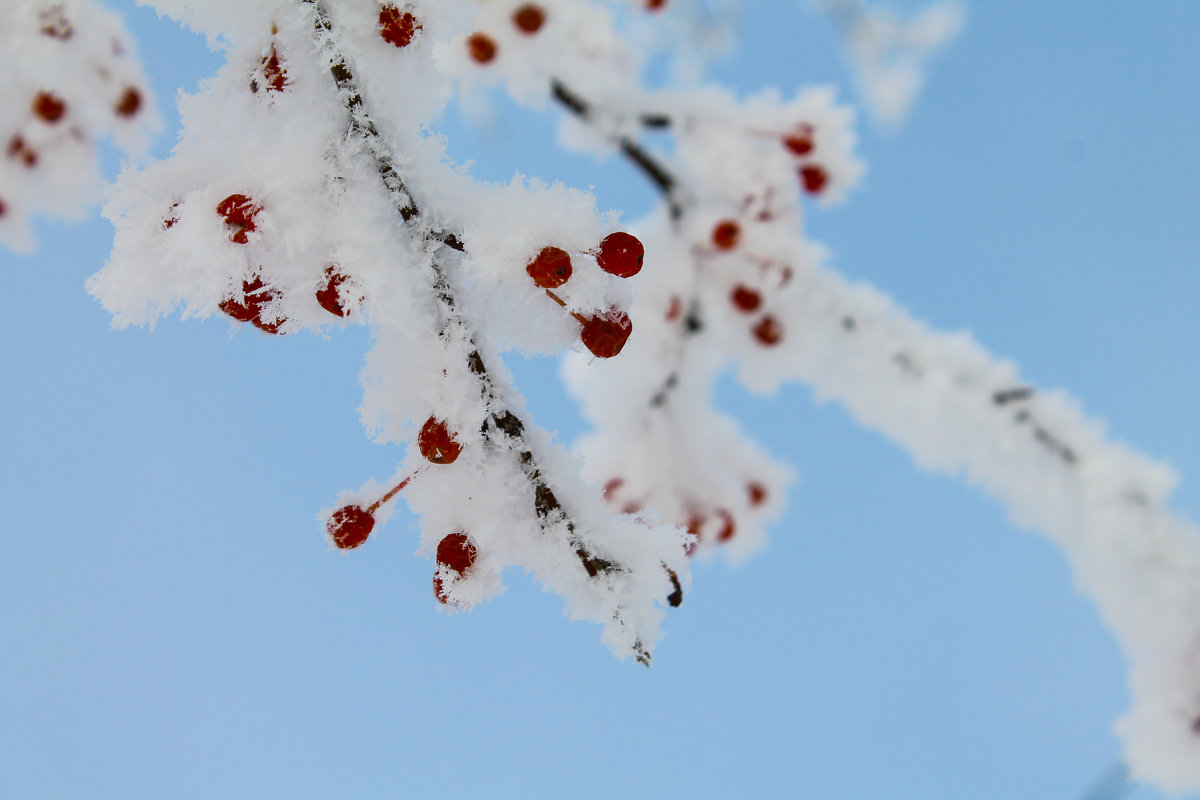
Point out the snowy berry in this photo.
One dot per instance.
(725, 234)
(397, 28)
(273, 71)
(248, 308)
(529, 18)
(768, 331)
(814, 178)
(457, 552)
(605, 334)
(621, 255)
(728, 527)
(20, 150)
(744, 298)
(799, 140)
(238, 211)
(329, 292)
(481, 47)
(757, 493)
(48, 107)
(437, 443)
(551, 268)
(350, 526)
(130, 102)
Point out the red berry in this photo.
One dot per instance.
(728, 527)
(130, 102)
(49, 107)
(744, 298)
(255, 295)
(695, 526)
(799, 140)
(481, 47)
(551, 268)
(814, 178)
(529, 18)
(768, 331)
(456, 552)
(397, 28)
(437, 443)
(19, 149)
(656, 5)
(611, 487)
(239, 212)
(350, 526)
(329, 293)
(605, 334)
(758, 494)
(725, 234)
(621, 255)
(274, 71)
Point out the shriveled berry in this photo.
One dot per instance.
(129, 104)
(239, 211)
(397, 27)
(457, 552)
(48, 107)
(757, 493)
(621, 254)
(799, 140)
(744, 298)
(728, 527)
(436, 443)
(768, 331)
(529, 18)
(551, 268)
(481, 47)
(605, 334)
(814, 178)
(725, 234)
(350, 526)
(329, 292)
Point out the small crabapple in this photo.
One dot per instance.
(239, 211)
(744, 298)
(799, 140)
(814, 178)
(397, 28)
(274, 71)
(48, 107)
(329, 293)
(656, 5)
(725, 234)
(621, 254)
(728, 526)
(551, 268)
(436, 443)
(605, 334)
(768, 331)
(457, 554)
(350, 526)
(529, 18)
(481, 47)
(129, 103)
(255, 295)
(757, 493)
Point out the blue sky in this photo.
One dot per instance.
(173, 624)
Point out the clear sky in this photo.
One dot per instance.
(172, 624)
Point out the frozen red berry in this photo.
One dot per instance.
(48, 107)
(551, 268)
(605, 334)
(621, 254)
(249, 307)
(481, 48)
(239, 211)
(329, 292)
(814, 178)
(725, 234)
(744, 298)
(529, 18)
(728, 527)
(656, 5)
(457, 552)
(611, 487)
(129, 103)
(350, 526)
(799, 140)
(397, 27)
(757, 493)
(274, 72)
(768, 331)
(436, 443)
(19, 150)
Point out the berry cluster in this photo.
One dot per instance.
(800, 141)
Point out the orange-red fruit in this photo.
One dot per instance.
(744, 298)
(481, 47)
(130, 102)
(605, 334)
(457, 552)
(728, 527)
(437, 443)
(768, 331)
(350, 526)
(397, 28)
(758, 494)
(49, 107)
(621, 254)
(814, 178)
(238, 211)
(248, 308)
(529, 18)
(800, 140)
(551, 268)
(725, 234)
(328, 295)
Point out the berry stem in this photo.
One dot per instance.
(582, 319)
(393, 491)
